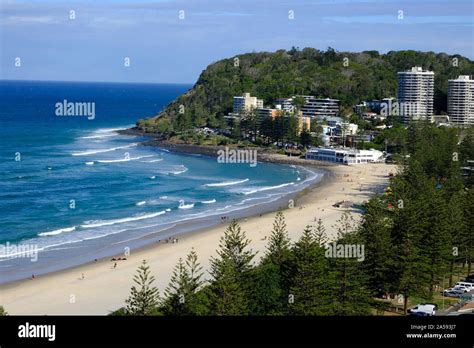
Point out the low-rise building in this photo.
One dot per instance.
(284, 104)
(344, 156)
(320, 108)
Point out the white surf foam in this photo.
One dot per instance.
(186, 206)
(92, 152)
(140, 203)
(100, 223)
(153, 161)
(126, 159)
(267, 188)
(226, 207)
(110, 130)
(227, 183)
(209, 202)
(184, 170)
(99, 136)
(90, 163)
(56, 232)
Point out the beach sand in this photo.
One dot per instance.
(105, 288)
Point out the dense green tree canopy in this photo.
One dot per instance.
(270, 75)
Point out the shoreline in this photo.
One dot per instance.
(111, 245)
(263, 154)
(297, 196)
(176, 229)
(104, 289)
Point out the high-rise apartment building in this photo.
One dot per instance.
(415, 94)
(461, 101)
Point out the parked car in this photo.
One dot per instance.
(462, 288)
(452, 293)
(468, 285)
(423, 310)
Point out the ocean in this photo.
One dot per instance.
(74, 190)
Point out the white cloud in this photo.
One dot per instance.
(28, 20)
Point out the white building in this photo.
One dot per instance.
(285, 104)
(415, 94)
(246, 103)
(344, 156)
(461, 101)
(348, 128)
(320, 108)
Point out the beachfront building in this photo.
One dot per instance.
(415, 94)
(344, 156)
(320, 108)
(461, 101)
(246, 103)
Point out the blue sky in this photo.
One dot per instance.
(164, 48)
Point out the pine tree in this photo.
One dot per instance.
(3, 312)
(457, 228)
(195, 270)
(309, 292)
(180, 295)
(175, 293)
(278, 243)
(268, 296)
(351, 293)
(232, 246)
(469, 231)
(227, 296)
(231, 272)
(410, 273)
(270, 278)
(436, 242)
(375, 231)
(144, 297)
(320, 235)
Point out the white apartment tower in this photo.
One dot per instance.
(415, 94)
(461, 101)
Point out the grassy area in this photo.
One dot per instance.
(436, 300)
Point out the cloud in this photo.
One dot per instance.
(29, 20)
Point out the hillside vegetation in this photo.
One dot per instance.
(270, 75)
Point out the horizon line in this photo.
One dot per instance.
(117, 82)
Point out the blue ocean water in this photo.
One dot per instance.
(67, 180)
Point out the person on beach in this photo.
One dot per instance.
(32, 276)
(115, 265)
(82, 275)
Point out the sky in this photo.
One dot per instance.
(172, 41)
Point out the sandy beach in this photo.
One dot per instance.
(99, 288)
